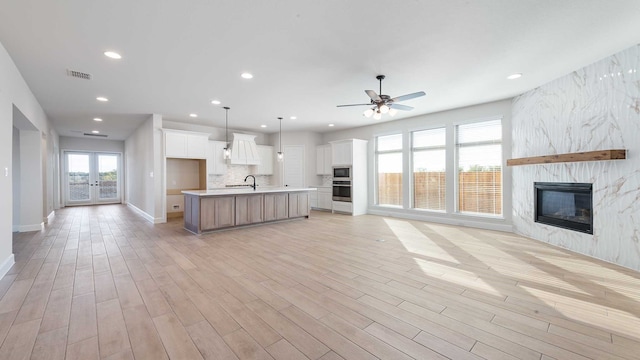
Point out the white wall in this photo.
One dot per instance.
(16, 179)
(139, 167)
(6, 206)
(14, 92)
(86, 144)
(448, 119)
(594, 108)
(31, 189)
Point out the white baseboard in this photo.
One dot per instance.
(6, 265)
(161, 220)
(146, 216)
(458, 221)
(51, 216)
(32, 227)
(15, 228)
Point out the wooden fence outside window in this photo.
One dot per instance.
(480, 191)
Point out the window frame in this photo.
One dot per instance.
(412, 150)
(456, 160)
(376, 182)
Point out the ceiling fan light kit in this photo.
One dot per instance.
(368, 112)
(385, 104)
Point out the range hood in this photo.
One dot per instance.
(244, 150)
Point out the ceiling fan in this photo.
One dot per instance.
(383, 104)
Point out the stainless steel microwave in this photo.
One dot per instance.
(342, 172)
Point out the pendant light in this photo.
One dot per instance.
(227, 149)
(280, 155)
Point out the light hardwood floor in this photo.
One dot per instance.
(102, 283)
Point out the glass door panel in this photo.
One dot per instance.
(92, 178)
(108, 179)
(78, 179)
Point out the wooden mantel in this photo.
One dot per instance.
(616, 154)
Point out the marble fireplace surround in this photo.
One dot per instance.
(594, 108)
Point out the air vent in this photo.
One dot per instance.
(95, 135)
(79, 74)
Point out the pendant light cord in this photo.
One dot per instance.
(280, 133)
(226, 126)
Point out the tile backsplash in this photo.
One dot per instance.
(235, 176)
(327, 180)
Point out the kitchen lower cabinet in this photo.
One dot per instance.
(325, 198)
(217, 212)
(249, 209)
(298, 204)
(276, 206)
(210, 210)
(343, 207)
(322, 198)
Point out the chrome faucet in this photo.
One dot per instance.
(254, 181)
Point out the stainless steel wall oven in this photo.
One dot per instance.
(342, 190)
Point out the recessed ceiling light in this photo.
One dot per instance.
(102, 98)
(263, 126)
(514, 76)
(215, 102)
(293, 117)
(97, 119)
(247, 75)
(113, 55)
(193, 115)
(331, 125)
(95, 131)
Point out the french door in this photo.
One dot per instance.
(92, 178)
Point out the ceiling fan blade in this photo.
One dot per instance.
(372, 94)
(401, 107)
(408, 96)
(369, 104)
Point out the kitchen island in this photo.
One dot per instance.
(209, 210)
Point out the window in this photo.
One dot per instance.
(389, 165)
(479, 164)
(429, 169)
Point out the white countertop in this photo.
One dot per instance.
(244, 191)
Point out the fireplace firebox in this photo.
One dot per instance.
(565, 205)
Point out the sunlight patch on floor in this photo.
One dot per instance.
(416, 242)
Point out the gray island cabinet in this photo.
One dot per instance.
(209, 210)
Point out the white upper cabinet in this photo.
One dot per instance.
(342, 152)
(216, 165)
(197, 146)
(185, 144)
(175, 144)
(323, 160)
(266, 160)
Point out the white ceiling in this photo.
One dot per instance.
(307, 56)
